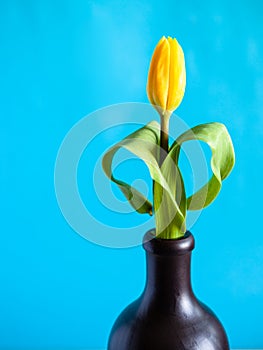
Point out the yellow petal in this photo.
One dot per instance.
(158, 77)
(177, 75)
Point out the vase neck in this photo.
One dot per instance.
(169, 274)
(169, 267)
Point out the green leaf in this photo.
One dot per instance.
(170, 202)
(170, 219)
(222, 160)
(144, 143)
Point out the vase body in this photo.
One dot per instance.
(168, 316)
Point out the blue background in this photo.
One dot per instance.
(61, 60)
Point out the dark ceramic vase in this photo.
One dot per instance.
(168, 316)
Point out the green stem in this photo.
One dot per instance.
(173, 233)
(164, 144)
(164, 137)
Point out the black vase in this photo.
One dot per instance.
(168, 316)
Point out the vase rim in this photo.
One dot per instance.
(161, 246)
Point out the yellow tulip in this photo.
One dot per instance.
(166, 77)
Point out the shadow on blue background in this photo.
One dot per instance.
(61, 60)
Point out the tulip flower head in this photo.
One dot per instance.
(167, 77)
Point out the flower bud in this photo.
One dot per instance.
(166, 77)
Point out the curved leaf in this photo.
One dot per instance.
(170, 203)
(144, 143)
(222, 160)
(170, 222)
(150, 135)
